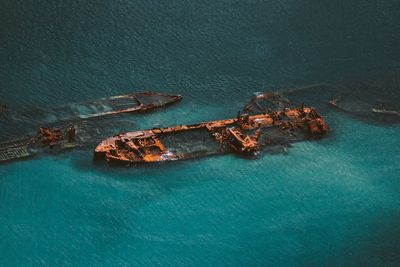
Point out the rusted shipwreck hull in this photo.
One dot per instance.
(132, 102)
(73, 127)
(246, 135)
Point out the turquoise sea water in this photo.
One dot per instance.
(333, 202)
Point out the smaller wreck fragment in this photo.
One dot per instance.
(374, 99)
(246, 135)
(356, 107)
(46, 140)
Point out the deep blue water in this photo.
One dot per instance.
(334, 202)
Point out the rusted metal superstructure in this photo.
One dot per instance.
(74, 125)
(246, 135)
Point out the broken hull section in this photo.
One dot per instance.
(133, 102)
(50, 141)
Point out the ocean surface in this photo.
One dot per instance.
(332, 202)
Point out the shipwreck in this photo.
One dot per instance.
(246, 134)
(75, 125)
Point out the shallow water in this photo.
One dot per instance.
(329, 202)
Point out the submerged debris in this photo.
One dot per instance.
(246, 135)
(267, 102)
(3, 108)
(385, 107)
(373, 99)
